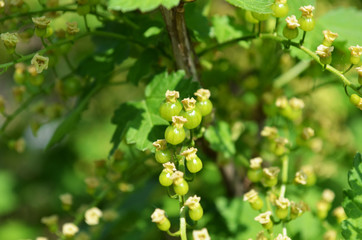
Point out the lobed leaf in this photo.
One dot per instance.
(142, 5)
(220, 140)
(259, 6)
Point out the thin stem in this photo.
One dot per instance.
(175, 234)
(183, 233)
(285, 162)
(43, 42)
(350, 67)
(303, 38)
(276, 25)
(86, 23)
(259, 28)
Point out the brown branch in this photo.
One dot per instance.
(182, 48)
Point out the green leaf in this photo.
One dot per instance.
(259, 6)
(220, 140)
(142, 5)
(352, 204)
(152, 31)
(223, 29)
(139, 122)
(73, 118)
(142, 67)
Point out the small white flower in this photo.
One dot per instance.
(40, 62)
(66, 199)
(292, 22)
(69, 229)
(324, 51)
(172, 96)
(202, 234)
(92, 216)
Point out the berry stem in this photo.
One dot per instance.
(86, 23)
(175, 234)
(259, 28)
(183, 233)
(285, 163)
(302, 40)
(276, 25)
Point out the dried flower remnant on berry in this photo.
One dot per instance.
(296, 103)
(307, 11)
(172, 96)
(328, 195)
(169, 167)
(264, 218)
(282, 203)
(282, 237)
(158, 215)
(10, 39)
(40, 63)
(178, 121)
(193, 202)
(189, 103)
(189, 153)
(269, 132)
(292, 22)
(160, 144)
(69, 229)
(92, 216)
(255, 163)
(340, 214)
(329, 37)
(300, 178)
(202, 234)
(50, 220)
(41, 238)
(202, 94)
(72, 28)
(41, 22)
(251, 196)
(271, 172)
(356, 51)
(308, 133)
(177, 177)
(324, 51)
(66, 199)
(92, 182)
(281, 102)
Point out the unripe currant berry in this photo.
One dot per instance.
(260, 16)
(49, 32)
(270, 176)
(359, 70)
(306, 24)
(282, 205)
(255, 175)
(355, 99)
(249, 17)
(195, 210)
(254, 200)
(180, 186)
(193, 162)
(191, 113)
(290, 33)
(171, 107)
(69, 86)
(40, 32)
(203, 102)
(264, 219)
(158, 217)
(175, 134)
(196, 214)
(162, 154)
(280, 9)
(356, 52)
(165, 178)
(282, 213)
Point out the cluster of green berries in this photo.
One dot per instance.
(188, 116)
(305, 22)
(291, 109)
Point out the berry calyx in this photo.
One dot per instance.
(175, 134)
(171, 107)
(193, 162)
(165, 177)
(255, 173)
(264, 220)
(191, 113)
(158, 217)
(270, 176)
(356, 52)
(180, 186)
(203, 102)
(282, 210)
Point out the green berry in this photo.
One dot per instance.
(257, 204)
(19, 77)
(290, 33)
(164, 225)
(40, 32)
(193, 118)
(194, 165)
(267, 182)
(197, 213)
(355, 59)
(165, 178)
(280, 10)
(355, 99)
(205, 107)
(282, 213)
(249, 17)
(326, 60)
(306, 24)
(36, 80)
(260, 16)
(163, 156)
(255, 175)
(181, 187)
(174, 135)
(70, 86)
(170, 109)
